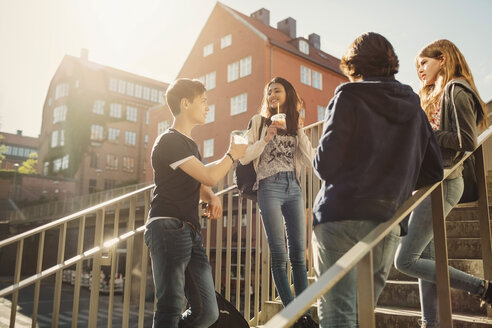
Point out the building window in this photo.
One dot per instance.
(302, 112)
(61, 90)
(98, 107)
(121, 86)
(92, 185)
(146, 93)
(111, 162)
(239, 104)
(210, 81)
(128, 164)
(65, 162)
(115, 110)
(62, 137)
(154, 95)
(129, 88)
(208, 50)
(57, 165)
(208, 148)
(97, 132)
(317, 80)
(59, 114)
(304, 47)
(54, 138)
(210, 114)
(94, 160)
(146, 140)
(161, 98)
(109, 184)
(130, 138)
(147, 118)
(245, 67)
(321, 113)
(113, 84)
(225, 41)
(113, 134)
(232, 72)
(131, 114)
(138, 91)
(305, 75)
(162, 126)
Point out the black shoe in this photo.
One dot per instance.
(305, 322)
(487, 293)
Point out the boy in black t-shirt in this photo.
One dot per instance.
(179, 262)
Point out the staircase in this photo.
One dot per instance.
(399, 304)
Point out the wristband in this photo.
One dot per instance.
(232, 158)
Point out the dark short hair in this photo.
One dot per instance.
(183, 88)
(370, 55)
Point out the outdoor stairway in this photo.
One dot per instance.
(399, 304)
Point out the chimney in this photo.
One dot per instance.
(262, 15)
(84, 54)
(19, 132)
(288, 26)
(314, 40)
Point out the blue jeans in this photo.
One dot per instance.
(415, 255)
(181, 269)
(338, 307)
(280, 201)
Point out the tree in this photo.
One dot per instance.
(3, 149)
(29, 165)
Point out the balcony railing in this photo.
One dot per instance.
(57, 209)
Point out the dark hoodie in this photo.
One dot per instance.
(376, 142)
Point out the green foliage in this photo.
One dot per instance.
(29, 165)
(3, 149)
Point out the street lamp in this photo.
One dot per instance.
(14, 192)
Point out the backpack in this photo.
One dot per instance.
(229, 316)
(245, 175)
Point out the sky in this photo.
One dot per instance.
(154, 37)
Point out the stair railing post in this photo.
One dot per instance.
(484, 216)
(442, 272)
(365, 292)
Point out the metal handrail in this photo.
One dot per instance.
(363, 248)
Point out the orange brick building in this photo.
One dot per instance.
(235, 56)
(94, 126)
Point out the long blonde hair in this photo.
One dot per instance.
(455, 66)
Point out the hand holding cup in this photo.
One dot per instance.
(238, 145)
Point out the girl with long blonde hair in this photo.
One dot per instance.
(456, 112)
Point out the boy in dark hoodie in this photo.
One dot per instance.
(376, 142)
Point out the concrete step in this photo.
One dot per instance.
(405, 294)
(463, 228)
(474, 267)
(270, 308)
(387, 316)
(464, 248)
(402, 318)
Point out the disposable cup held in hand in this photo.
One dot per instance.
(279, 121)
(239, 138)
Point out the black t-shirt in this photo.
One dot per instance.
(176, 194)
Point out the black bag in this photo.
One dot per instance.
(470, 191)
(229, 316)
(245, 175)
